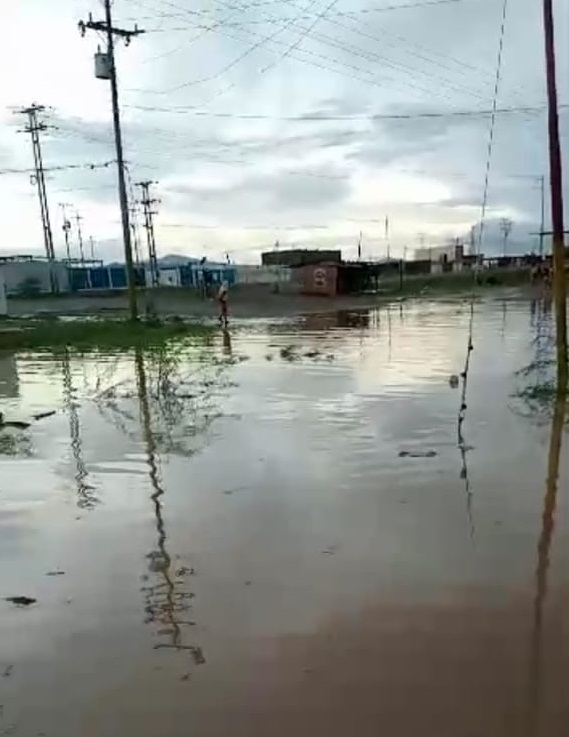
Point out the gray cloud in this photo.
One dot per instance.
(223, 166)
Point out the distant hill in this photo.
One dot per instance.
(172, 260)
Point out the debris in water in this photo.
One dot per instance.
(44, 415)
(268, 357)
(312, 354)
(21, 600)
(288, 353)
(453, 381)
(198, 656)
(55, 573)
(8, 671)
(331, 550)
(16, 424)
(417, 454)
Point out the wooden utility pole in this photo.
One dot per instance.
(110, 32)
(66, 227)
(78, 220)
(34, 128)
(147, 203)
(556, 183)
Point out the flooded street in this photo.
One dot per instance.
(277, 532)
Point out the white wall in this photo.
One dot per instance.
(16, 273)
(436, 253)
(262, 274)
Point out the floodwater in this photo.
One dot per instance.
(224, 539)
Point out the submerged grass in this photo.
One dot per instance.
(95, 334)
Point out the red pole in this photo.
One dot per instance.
(556, 183)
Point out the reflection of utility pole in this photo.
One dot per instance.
(66, 227)
(92, 247)
(110, 73)
(86, 499)
(543, 562)
(35, 127)
(165, 601)
(147, 202)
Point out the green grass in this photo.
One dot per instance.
(422, 285)
(84, 334)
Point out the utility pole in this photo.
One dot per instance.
(506, 228)
(135, 239)
(147, 202)
(78, 220)
(34, 128)
(110, 73)
(66, 227)
(556, 183)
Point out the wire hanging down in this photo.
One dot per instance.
(470, 346)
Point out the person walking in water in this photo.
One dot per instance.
(222, 299)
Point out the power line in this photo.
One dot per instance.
(327, 40)
(269, 226)
(234, 62)
(338, 13)
(315, 118)
(305, 32)
(470, 346)
(63, 167)
(331, 41)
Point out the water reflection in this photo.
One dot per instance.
(86, 495)
(183, 393)
(535, 399)
(167, 600)
(227, 350)
(543, 563)
(9, 383)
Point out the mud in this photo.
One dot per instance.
(245, 553)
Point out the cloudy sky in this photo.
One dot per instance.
(302, 121)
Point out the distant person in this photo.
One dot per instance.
(222, 297)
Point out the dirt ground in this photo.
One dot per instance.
(244, 302)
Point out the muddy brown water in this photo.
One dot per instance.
(224, 540)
